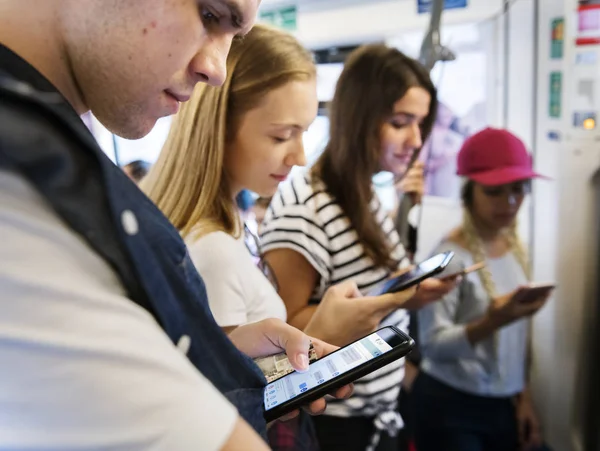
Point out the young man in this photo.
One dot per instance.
(97, 287)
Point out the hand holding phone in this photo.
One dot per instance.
(431, 290)
(415, 275)
(335, 370)
(271, 336)
(534, 292)
(524, 301)
(345, 315)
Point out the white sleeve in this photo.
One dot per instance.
(216, 258)
(83, 367)
(442, 337)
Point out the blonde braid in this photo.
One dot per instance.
(518, 248)
(475, 247)
(522, 257)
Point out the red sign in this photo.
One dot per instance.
(588, 24)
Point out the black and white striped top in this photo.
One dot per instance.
(305, 218)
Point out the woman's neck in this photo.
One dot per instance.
(486, 232)
(493, 239)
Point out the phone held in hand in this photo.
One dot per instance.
(429, 268)
(533, 292)
(335, 370)
(278, 365)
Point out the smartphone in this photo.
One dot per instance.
(469, 269)
(532, 292)
(335, 370)
(422, 271)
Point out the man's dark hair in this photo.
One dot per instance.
(137, 169)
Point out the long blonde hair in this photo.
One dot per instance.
(475, 245)
(188, 182)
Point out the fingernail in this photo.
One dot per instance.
(303, 362)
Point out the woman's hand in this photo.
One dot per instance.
(413, 183)
(530, 434)
(505, 309)
(432, 290)
(272, 336)
(344, 315)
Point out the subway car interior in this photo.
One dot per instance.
(526, 71)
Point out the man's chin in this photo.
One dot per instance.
(133, 129)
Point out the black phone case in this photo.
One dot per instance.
(399, 286)
(330, 386)
(394, 286)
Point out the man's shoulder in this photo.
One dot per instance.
(29, 115)
(65, 314)
(24, 121)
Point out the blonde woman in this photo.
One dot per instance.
(247, 134)
(471, 394)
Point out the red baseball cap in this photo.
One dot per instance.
(495, 157)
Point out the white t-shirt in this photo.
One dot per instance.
(238, 292)
(82, 366)
(305, 218)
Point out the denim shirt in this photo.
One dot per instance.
(44, 140)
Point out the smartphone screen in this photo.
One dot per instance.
(428, 268)
(337, 364)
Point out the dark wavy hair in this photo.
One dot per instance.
(138, 169)
(374, 78)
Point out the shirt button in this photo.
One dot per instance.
(184, 344)
(130, 222)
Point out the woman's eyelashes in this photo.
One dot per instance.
(208, 16)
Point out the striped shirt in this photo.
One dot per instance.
(304, 217)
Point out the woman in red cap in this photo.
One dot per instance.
(472, 394)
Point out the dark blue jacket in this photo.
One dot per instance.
(43, 139)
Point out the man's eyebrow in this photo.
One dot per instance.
(237, 17)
